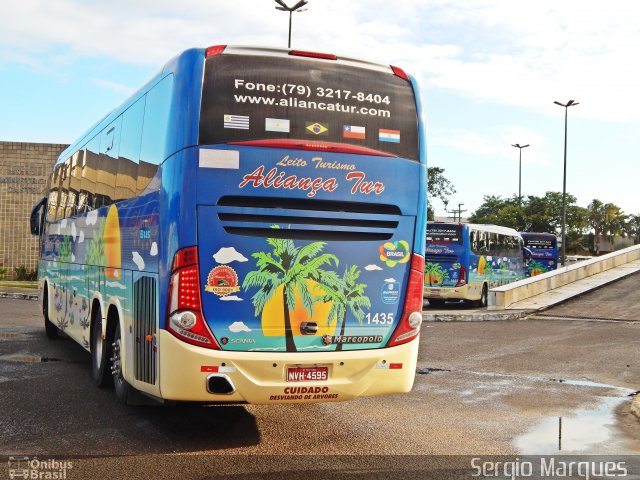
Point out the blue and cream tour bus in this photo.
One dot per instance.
(541, 252)
(464, 260)
(248, 227)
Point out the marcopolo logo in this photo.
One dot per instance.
(394, 253)
(344, 339)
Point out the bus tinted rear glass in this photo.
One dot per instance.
(539, 242)
(248, 97)
(444, 234)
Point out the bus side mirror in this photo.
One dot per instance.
(37, 216)
(526, 253)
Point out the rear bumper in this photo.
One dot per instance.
(260, 377)
(466, 292)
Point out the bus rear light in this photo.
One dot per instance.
(400, 73)
(409, 326)
(462, 278)
(185, 320)
(215, 50)
(323, 56)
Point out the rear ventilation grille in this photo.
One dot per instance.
(145, 329)
(440, 258)
(307, 219)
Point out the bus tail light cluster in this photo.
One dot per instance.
(398, 72)
(409, 326)
(185, 319)
(214, 50)
(462, 278)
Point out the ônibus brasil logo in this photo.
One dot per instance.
(394, 253)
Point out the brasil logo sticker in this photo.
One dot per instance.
(394, 253)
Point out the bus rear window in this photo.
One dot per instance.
(540, 243)
(451, 234)
(253, 97)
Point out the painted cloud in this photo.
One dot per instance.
(227, 255)
(231, 298)
(138, 260)
(92, 217)
(236, 327)
(370, 268)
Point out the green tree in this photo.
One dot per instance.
(438, 186)
(531, 214)
(289, 266)
(633, 228)
(606, 220)
(344, 293)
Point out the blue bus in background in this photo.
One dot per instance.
(248, 227)
(463, 261)
(541, 255)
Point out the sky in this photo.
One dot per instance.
(489, 72)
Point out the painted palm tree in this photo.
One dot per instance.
(287, 266)
(344, 293)
(434, 271)
(536, 268)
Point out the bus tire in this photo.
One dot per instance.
(122, 388)
(100, 353)
(50, 329)
(436, 302)
(482, 303)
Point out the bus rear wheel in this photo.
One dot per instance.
(100, 353)
(122, 388)
(482, 303)
(50, 329)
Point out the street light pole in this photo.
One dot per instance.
(520, 147)
(563, 251)
(296, 8)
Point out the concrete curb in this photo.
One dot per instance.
(480, 316)
(19, 296)
(635, 405)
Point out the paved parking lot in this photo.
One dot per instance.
(482, 388)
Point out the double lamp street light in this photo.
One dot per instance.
(563, 234)
(296, 8)
(520, 147)
(563, 251)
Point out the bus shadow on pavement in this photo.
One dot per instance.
(52, 407)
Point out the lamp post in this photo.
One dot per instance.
(520, 147)
(296, 8)
(563, 251)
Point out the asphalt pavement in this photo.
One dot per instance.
(511, 387)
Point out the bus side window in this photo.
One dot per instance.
(109, 151)
(155, 132)
(69, 206)
(75, 180)
(90, 173)
(63, 188)
(53, 194)
(129, 158)
(473, 241)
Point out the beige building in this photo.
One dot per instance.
(24, 171)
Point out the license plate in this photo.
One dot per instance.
(307, 374)
(435, 293)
